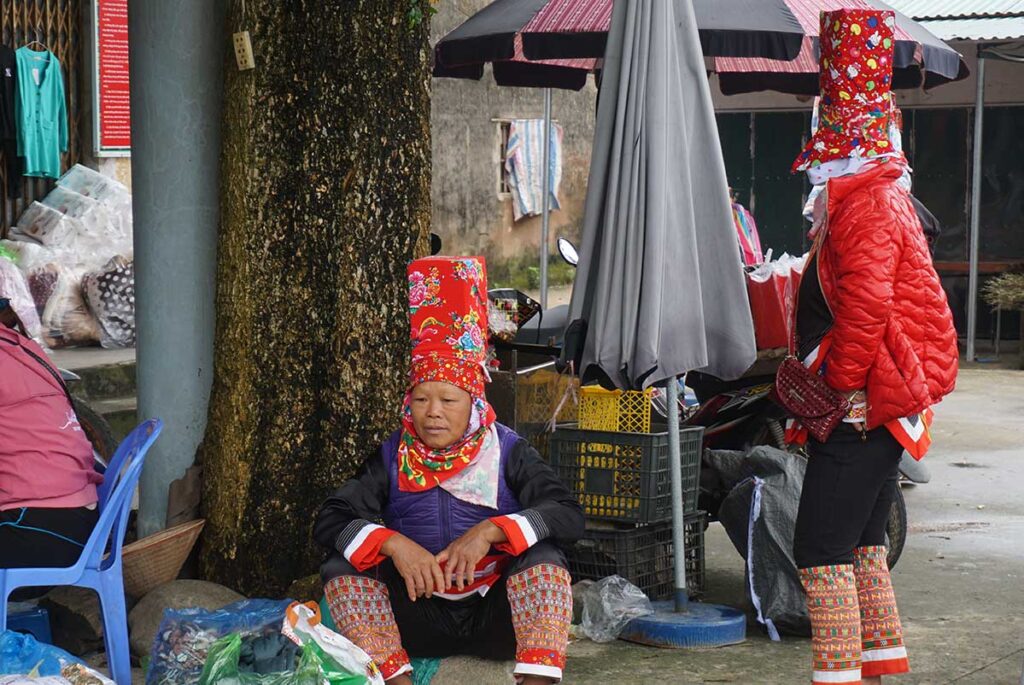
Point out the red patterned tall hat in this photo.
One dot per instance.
(856, 87)
(448, 319)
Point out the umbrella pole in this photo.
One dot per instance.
(545, 223)
(680, 624)
(682, 597)
(972, 277)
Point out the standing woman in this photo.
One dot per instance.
(873, 321)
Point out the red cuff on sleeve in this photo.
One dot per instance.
(364, 550)
(519, 532)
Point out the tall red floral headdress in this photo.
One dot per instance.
(448, 326)
(856, 88)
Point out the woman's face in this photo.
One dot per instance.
(440, 413)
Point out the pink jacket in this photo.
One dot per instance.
(45, 459)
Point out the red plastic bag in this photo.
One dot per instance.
(770, 289)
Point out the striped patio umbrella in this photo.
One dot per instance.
(556, 43)
(921, 59)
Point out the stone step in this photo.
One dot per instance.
(120, 412)
(106, 374)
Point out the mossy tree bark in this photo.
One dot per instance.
(325, 198)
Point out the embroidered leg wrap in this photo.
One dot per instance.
(361, 610)
(541, 602)
(835, 623)
(881, 631)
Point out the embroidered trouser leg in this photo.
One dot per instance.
(541, 603)
(881, 631)
(835, 624)
(847, 495)
(437, 627)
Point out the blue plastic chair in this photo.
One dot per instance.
(96, 569)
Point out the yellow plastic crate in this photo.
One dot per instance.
(615, 411)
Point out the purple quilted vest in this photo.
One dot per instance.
(433, 519)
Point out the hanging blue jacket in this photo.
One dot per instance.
(41, 113)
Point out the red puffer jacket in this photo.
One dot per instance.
(893, 331)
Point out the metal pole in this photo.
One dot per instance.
(682, 597)
(545, 224)
(972, 280)
(176, 48)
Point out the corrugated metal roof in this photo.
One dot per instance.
(1001, 28)
(958, 9)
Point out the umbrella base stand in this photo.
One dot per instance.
(699, 626)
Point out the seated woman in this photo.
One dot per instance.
(467, 561)
(47, 479)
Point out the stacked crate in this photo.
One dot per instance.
(617, 464)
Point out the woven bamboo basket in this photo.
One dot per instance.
(157, 559)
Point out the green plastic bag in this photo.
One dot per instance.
(314, 668)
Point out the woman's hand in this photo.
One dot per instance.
(858, 411)
(417, 566)
(462, 556)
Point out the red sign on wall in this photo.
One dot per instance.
(113, 109)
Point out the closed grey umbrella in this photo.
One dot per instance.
(660, 284)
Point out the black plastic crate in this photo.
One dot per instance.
(642, 555)
(625, 477)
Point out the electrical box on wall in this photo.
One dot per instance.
(243, 51)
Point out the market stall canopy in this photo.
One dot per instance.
(556, 43)
(921, 59)
(660, 285)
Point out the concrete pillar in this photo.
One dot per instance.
(177, 53)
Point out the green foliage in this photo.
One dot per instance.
(523, 273)
(419, 10)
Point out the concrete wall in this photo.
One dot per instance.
(468, 212)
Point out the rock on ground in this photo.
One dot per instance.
(75, 619)
(144, 620)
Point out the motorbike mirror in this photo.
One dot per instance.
(435, 244)
(568, 252)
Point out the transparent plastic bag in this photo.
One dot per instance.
(44, 225)
(501, 319)
(67, 320)
(609, 604)
(95, 185)
(186, 636)
(21, 655)
(14, 287)
(110, 295)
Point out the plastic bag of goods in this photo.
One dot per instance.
(110, 295)
(44, 225)
(223, 666)
(14, 287)
(67, 320)
(770, 288)
(609, 604)
(24, 660)
(111, 194)
(96, 233)
(303, 626)
(29, 255)
(93, 184)
(183, 642)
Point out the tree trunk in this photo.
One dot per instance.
(325, 197)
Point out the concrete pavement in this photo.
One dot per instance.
(959, 583)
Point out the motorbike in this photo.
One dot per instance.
(737, 415)
(740, 414)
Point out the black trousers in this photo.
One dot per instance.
(437, 627)
(43, 538)
(848, 492)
